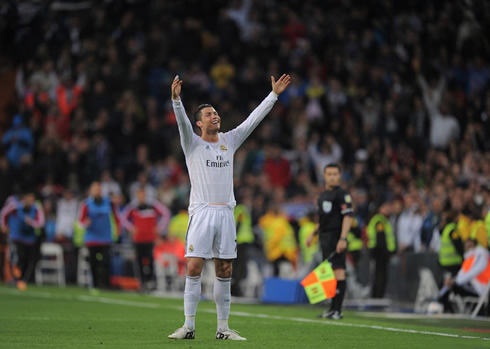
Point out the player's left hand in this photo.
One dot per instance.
(280, 85)
(341, 246)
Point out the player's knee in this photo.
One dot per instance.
(224, 270)
(194, 269)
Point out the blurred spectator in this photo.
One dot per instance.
(100, 218)
(66, 216)
(451, 249)
(276, 167)
(18, 141)
(21, 220)
(327, 151)
(142, 182)
(244, 238)
(7, 180)
(49, 209)
(108, 185)
(307, 226)
(381, 242)
(222, 72)
(279, 241)
(146, 220)
(472, 278)
(431, 222)
(409, 225)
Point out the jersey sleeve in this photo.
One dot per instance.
(6, 211)
(82, 214)
(185, 127)
(240, 133)
(164, 214)
(126, 216)
(39, 219)
(345, 201)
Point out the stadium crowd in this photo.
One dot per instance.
(396, 92)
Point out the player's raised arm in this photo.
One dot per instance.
(245, 128)
(185, 126)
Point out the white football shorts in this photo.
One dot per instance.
(211, 233)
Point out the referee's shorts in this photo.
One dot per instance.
(328, 244)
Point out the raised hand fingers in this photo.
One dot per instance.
(285, 78)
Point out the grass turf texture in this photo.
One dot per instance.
(48, 317)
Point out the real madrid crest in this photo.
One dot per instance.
(223, 147)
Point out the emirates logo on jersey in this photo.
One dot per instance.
(220, 162)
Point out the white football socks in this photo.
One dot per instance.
(222, 296)
(192, 294)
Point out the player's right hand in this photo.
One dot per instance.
(176, 88)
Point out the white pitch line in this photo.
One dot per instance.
(96, 299)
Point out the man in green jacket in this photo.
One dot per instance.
(381, 242)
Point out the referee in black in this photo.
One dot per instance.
(336, 215)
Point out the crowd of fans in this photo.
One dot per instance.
(398, 93)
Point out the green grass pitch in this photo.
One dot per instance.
(49, 317)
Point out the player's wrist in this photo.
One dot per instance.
(342, 238)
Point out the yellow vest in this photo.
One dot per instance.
(354, 243)
(487, 227)
(178, 225)
(244, 234)
(448, 255)
(478, 233)
(463, 227)
(306, 228)
(279, 239)
(381, 222)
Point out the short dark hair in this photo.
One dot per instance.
(333, 165)
(197, 113)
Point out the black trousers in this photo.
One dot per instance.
(144, 256)
(27, 256)
(3, 250)
(381, 259)
(239, 269)
(100, 264)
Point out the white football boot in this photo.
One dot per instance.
(229, 334)
(183, 333)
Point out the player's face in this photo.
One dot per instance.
(210, 120)
(96, 190)
(332, 176)
(140, 196)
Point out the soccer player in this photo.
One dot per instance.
(100, 218)
(21, 219)
(211, 232)
(336, 215)
(146, 220)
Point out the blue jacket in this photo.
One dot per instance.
(103, 229)
(14, 215)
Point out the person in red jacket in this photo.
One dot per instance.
(146, 220)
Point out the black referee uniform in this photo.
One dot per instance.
(333, 205)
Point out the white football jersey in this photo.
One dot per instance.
(210, 165)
